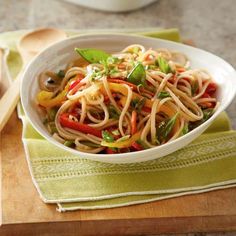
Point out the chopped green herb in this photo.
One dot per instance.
(92, 55)
(113, 113)
(185, 129)
(207, 113)
(113, 71)
(163, 94)
(61, 74)
(96, 76)
(163, 65)
(112, 60)
(69, 143)
(104, 63)
(165, 127)
(52, 127)
(137, 75)
(107, 136)
(137, 104)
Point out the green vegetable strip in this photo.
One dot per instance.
(92, 55)
(163, 94)
(163, 65)
(138, 75)
(107, 136)
(165, 127)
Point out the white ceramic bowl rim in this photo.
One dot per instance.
(121, 156)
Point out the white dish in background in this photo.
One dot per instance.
(59, 54)
(113, 5)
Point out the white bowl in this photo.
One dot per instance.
(59, 54)
(113, 5)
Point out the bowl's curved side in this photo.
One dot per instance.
(59, 54)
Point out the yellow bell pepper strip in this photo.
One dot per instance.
(46, 99)
(122, 144)
(148, 103)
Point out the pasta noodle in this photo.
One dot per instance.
(127, 101)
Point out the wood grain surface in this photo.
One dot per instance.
(22, 206)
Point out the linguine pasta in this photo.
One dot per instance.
(127, 101)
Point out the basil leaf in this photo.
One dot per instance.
(163, 94)
(107, 136)
(92, 55)
(163, 65)
(137, 75)
(165, 127)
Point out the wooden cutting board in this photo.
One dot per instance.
(23, 212)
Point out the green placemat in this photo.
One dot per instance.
(73, 183)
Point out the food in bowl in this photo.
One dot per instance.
(128, 101)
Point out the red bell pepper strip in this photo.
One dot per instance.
(207, 104)
(66, 122)
(79, 77)
(73, 84)
(147, 109)
(133, 122)
(137, 146)
(211, 88)
(110, 151)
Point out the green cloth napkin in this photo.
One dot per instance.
(73, 183)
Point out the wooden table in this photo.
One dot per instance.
(23, 212)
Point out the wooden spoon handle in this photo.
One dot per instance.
(1, 71)
(9, 101)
